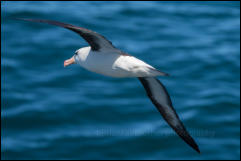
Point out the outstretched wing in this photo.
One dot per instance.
(161, 99)
(95, 40)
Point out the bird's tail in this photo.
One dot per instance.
(158, 72)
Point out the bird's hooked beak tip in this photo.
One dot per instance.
(69, 61)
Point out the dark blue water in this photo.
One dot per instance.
(52, 112)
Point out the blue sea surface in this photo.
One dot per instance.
(52, 112)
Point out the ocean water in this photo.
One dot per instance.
(52, 112)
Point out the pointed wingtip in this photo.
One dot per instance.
(197, 149)
(26, 19)
(192, 143)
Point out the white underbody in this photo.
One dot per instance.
(113, 64)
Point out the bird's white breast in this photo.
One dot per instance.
(113, 64)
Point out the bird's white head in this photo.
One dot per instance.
(79, 56)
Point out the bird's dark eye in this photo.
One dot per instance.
(76, 53)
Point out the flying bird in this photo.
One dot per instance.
(104, 58)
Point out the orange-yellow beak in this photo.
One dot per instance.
(69, 61)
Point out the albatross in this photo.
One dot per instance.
(102, 57)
